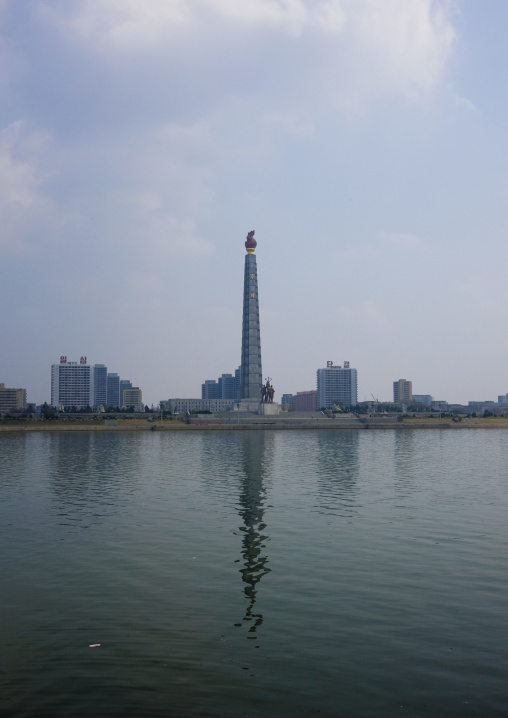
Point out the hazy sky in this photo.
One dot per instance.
(364, 140)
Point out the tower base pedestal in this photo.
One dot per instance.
(249, 405)
(257, 407)
(269, 409)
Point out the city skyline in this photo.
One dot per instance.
(139, 142)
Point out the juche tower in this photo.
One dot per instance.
(251, 374)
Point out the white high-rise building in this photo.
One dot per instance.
(337, 386)
(72, 384)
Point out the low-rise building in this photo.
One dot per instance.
(132, 399)
(181, 406)
(287, 402)
(424, 399)
(305, 401)
(439, 405)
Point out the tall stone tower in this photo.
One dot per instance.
(251, 375)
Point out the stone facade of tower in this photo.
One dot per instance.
(251, 374)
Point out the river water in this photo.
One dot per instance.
(297, 573)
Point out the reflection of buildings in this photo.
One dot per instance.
(239, 461)
(84, 469)
(405, 463)
(252, 499)
(338, 458)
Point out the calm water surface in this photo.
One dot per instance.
(254, 573)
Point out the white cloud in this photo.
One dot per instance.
(297, 54)
(167, 236)
(291, 123)
(18, 179)
(290, 15)
(411, 41)
(463, 101)
(331, 17)
(345, 311)
(371, 311)
(366, 313)
(401, 239)
(23, 206)
(139, 22)
(372, 252)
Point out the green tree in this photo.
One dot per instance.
(48, 412)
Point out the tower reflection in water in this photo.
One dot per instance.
(257, 453)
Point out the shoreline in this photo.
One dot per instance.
(255, 424)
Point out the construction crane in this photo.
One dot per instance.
(372, 395)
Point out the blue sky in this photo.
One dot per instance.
(364, 140)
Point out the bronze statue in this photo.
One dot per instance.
(251, 244)
(267, 392)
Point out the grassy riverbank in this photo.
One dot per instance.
(252, 422)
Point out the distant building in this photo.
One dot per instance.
(287, 402)
(210, 389)
(11, 399)
(424, 399)
(180, 406)
(113, 390)
(402, 392)
(305, 401)
(503, 399)
(72, 384)
(132, 398)
(226, 386)
(100, 384)
(336, 386)
(439, 405)
(124, 384)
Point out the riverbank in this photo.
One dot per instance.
(254, 422)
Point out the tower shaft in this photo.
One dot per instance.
(251, 374)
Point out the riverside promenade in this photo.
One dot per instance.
(233, 421)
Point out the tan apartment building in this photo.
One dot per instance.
(11, 399)
(402, 392)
